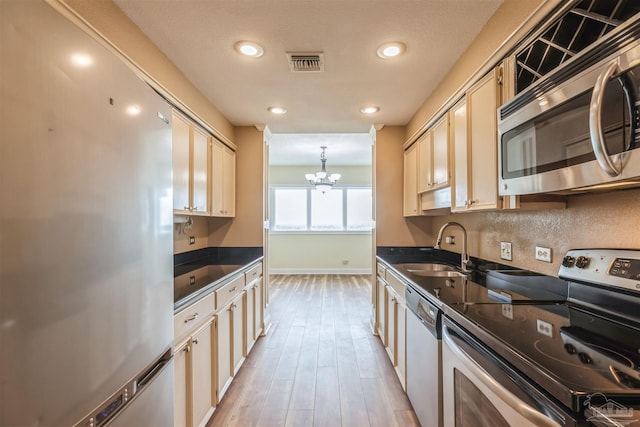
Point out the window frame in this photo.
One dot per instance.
(309, 189)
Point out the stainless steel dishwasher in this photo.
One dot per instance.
(424, 360)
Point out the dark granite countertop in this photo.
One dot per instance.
(200, 272)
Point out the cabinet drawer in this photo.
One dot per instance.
(253, 274)
(196, 313)
(228, 291)
(382, 271)
(398, 285)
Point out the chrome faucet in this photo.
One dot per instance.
(464, 256)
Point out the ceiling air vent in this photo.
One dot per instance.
(306, 62)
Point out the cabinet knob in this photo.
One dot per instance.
(186, 349)
(195, 340)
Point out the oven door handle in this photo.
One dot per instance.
(595, 122)
(516, 404)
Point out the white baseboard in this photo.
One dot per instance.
(320, 271)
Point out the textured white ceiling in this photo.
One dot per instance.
(198, 36)
(287, 149)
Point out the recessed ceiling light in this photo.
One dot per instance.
(133, 110)
(81, 60)
(391, 50)
(249, 49)
(369, 110)
(277, 110)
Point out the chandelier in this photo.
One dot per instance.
(322, 180)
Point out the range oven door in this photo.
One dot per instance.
(481, 390)
(573, 134)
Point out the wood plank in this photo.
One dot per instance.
(319, 365)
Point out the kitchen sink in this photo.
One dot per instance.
(427, 267)
(431, 270)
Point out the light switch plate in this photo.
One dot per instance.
(505, 251)
(543, 254)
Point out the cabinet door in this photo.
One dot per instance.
(223, 350)
(411, 181)
(401, 343)
(382, 312)
(391, 312)
(250, 319)
(181, 400)
(180, 163)
(482, 103)
(440, 141)
(223, 176)
(259, 308)
(425, 163)
(202, 374)
(460, 187)
(229, 182)
(200, 163)
(238, 310)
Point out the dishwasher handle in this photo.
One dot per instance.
(529, 413)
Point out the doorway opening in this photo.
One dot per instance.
(313, 231)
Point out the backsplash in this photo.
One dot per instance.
(182, 232)
(604, 220)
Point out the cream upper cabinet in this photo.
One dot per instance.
(425, 162)
(440, 144)
(480, 158)
(460, 187)
(190, 164)
(410, 198)
(200, 159)
(223, 180)
(180, 135)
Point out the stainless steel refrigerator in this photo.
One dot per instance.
(86, 257)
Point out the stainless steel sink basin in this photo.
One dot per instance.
(427, 267)
(438, 273)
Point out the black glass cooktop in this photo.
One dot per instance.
(568, 351)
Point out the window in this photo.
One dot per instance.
(344, 209)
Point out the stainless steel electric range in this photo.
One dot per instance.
(570, 363)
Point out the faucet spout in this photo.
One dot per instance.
(464, 256)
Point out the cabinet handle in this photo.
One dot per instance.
(233, 289)
(186, 349)
(190, 318)
(195, 340)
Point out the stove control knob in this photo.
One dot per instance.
(568, 261)
(585, 358)
(571, 349)
(582, 262)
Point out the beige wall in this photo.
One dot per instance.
(392, 229)
(607, 220)
(509, 16)
(115, 26)
(182, 232)
(246, 228)
(320, 253)
(294, 175)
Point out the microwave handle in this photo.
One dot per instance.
(595, 122)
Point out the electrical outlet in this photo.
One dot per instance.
(192, 240)
(451, 240)
(544, 328)
(543, 254)
(505, 251)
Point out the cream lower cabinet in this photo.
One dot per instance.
(391, 313)
(194, 399)
(229, 342)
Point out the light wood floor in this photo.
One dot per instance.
(319, 365)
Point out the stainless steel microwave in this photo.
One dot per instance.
(577, 129)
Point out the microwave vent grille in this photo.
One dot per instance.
(573, 31)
